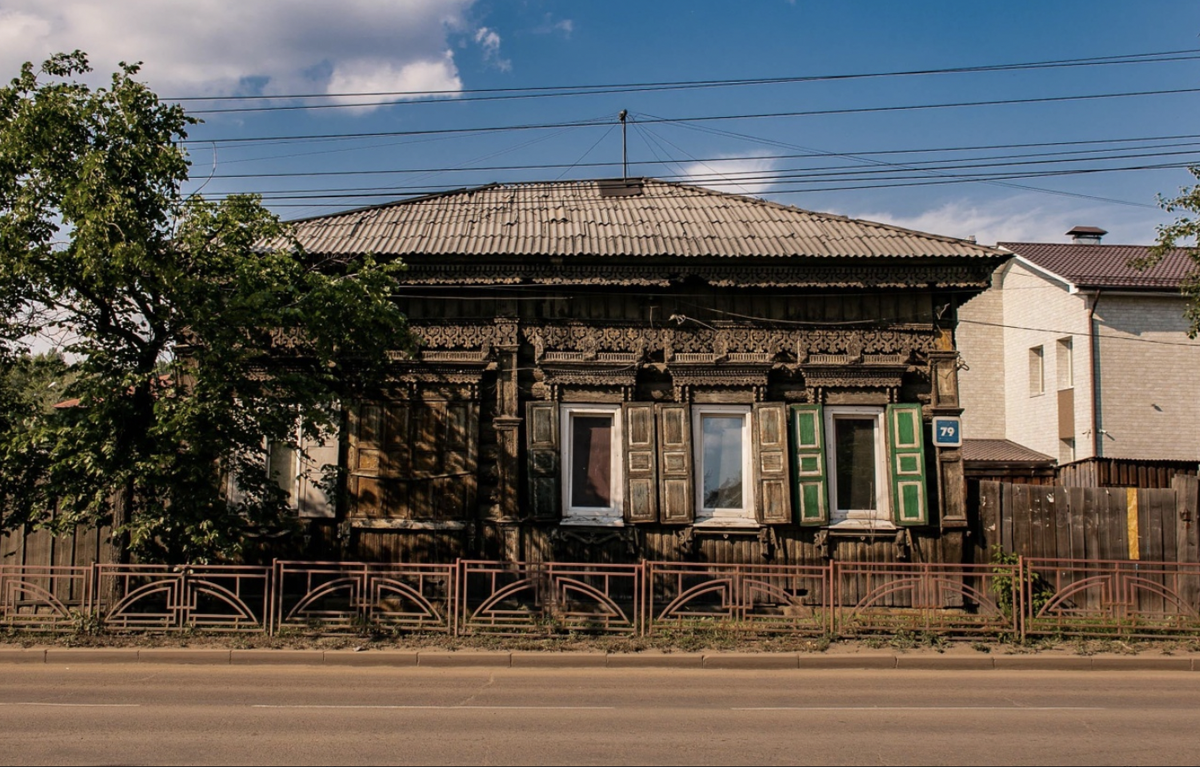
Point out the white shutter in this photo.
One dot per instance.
(311, 500)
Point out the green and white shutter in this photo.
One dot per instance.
(808, 475)
(906, 455)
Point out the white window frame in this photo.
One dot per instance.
(613, 515)
(719, 517)
(1065, 364)
(879, 518)
(1037, 370)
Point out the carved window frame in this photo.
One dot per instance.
(880, 518)
(718, 517)
(614, 514)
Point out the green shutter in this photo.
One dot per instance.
(906, 457)
(808, 472)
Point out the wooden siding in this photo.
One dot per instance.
(1052, 521)
(1123, 472)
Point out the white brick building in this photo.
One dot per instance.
(1075, 354)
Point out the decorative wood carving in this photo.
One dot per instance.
(744, 275)
(741, 344)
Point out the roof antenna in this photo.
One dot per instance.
(624, 155)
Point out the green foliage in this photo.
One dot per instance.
(200, 330)
(1184, 231)
(1037, 590)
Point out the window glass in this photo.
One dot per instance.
(1066, 364)
(723, 461)
(854, 441)
(591, 470)
(1037, 383)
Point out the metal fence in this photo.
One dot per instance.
(1030, 597)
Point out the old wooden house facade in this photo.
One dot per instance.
(622, 369)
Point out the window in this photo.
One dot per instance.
(592, 477)
(1037, 379)
(857, 467)
(724, 480)
(299, 474)
(1065, 364)
(1066, 450)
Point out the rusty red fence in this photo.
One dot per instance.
(36, 598)
(341, 597)
(548, 597)
(1030, 597)
(930, 598)
(170, 598)
(1126, 598)
(764, 598)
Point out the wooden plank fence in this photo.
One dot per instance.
(1093, 523)
(1123, 472)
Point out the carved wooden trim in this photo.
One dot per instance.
(961, 275)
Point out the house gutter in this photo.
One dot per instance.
(1094, 374)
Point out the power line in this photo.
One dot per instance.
(463, 168)
(870, 179)
(498, 94)
(681, 120)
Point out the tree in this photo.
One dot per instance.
(200, 331)
(1185, 228)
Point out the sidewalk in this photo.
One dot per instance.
(953, 659)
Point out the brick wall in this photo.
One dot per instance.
(1150, 379)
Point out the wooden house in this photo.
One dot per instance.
(622, 369)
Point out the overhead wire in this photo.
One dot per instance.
(692, 119)
(494, 94)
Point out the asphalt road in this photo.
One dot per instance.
(167, 714)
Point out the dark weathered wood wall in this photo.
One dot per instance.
(1091, 522)
(1123, 472)
(84, 546)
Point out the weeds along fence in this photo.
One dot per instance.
(1019, 596)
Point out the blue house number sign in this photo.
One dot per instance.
(947, 431)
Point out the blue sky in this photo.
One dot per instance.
(469, 48)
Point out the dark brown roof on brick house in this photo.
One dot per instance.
(1105, 266)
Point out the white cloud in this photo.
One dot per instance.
(489, 41)
(1025, 218)
(210, 47)
(562, 27)
(736, 175)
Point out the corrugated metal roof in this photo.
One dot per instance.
(1002, 451)
(583, 218)
(1105, 266)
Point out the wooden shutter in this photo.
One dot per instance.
(311, 500)
(677, 501)
(772, 497)
(641, 477)
(542, 442)
(455, 488)
(906, 457)
(367, 461)
(808, 476)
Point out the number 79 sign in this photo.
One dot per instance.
(947, 431)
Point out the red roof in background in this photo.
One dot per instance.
(1105, 266)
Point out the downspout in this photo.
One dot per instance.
(1094, 375)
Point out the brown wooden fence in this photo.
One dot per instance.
(1123, 472)
(1091, 523)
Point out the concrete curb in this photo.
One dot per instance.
(67, 656)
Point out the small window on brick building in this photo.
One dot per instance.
(1037, 371)
(1065, 364)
